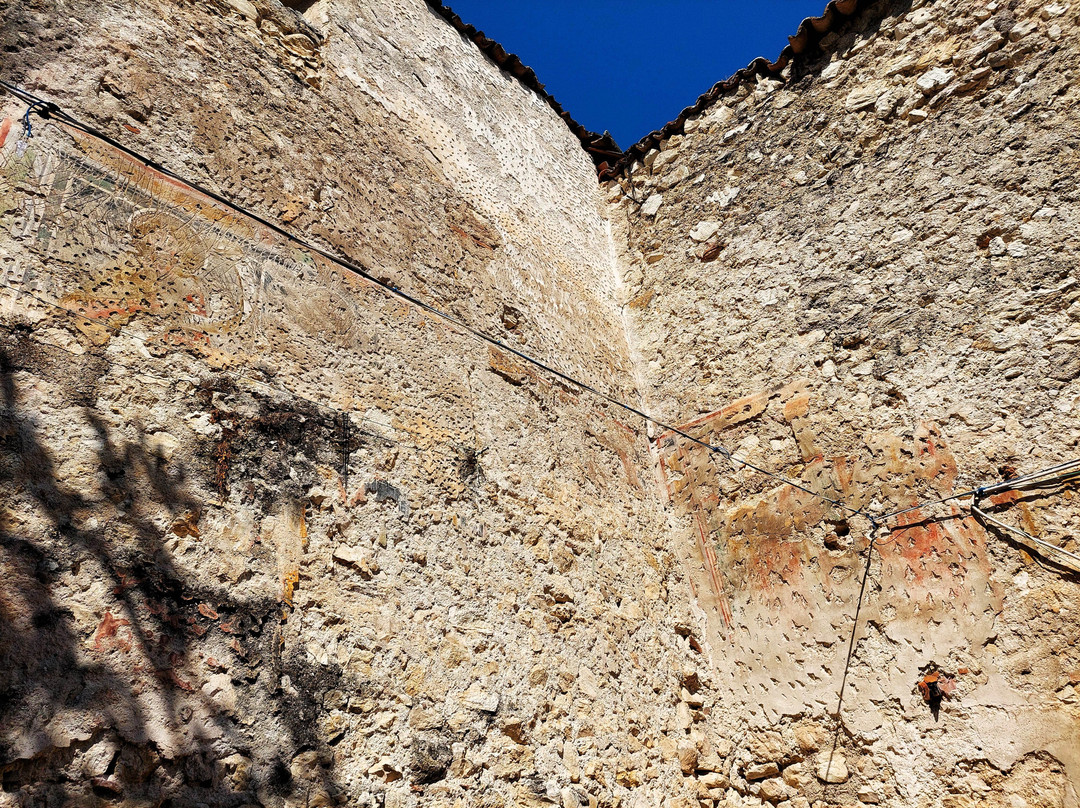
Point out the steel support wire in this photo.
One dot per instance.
(49, 110)
(1061, 473)
(1051, 477)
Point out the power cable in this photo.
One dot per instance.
(1058, 555)
(1052, 475)
(874, 527)
(48, 110)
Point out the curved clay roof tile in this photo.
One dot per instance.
(810, 31)
(603, 148)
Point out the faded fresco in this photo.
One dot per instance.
(291, 463)
(118, 244)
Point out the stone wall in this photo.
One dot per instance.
(865, 278)
(271, 536)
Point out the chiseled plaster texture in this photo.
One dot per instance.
(198, 606)
(271, 536)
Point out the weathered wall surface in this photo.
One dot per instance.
(376, 129)
(866, 279)
(198, 608)
(271, 537)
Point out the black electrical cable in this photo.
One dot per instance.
(855, 623)
(49, 110)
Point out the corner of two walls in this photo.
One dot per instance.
(278, 538)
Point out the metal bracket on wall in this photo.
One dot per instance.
(1048, 478)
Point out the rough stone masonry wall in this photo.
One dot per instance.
(866, 279)
(196, 606)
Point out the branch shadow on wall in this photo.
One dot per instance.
(125, 679)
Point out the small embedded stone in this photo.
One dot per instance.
(431, 757)
(771, 745)
(884, 105)
(832, 767)
(348, 555)
(358, 558)
(688, 757)
(703, 231)
(386, 771)
(797, 777)
(674, 178)
(244, 8)
(711, 251)
(711, 762)
(333, 726)
(714, 780)
(477, 698)
(106, 785)
(934, 79)
(559, 589)
(652, 205)
(163, 445)
(1021, 30)
(683, 719)
(572, 762)
(862, 98)
(761, 770)
(731, 134)
(421, 719)
(724, 198)
(868, 795)
(773, 790)
(219, 688)
(693, 700)
(663, 159)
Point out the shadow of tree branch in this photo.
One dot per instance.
(127, 679)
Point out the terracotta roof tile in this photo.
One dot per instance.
(604, 151)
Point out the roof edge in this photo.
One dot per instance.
(609, 159)
(811, 31)
(601, 148)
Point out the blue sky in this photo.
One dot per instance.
(631, 65)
